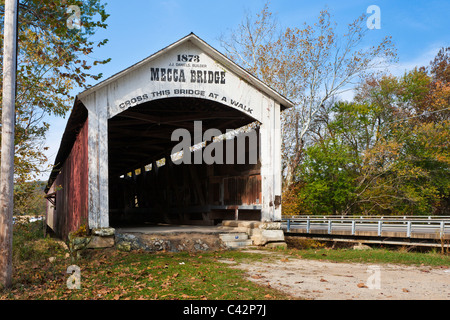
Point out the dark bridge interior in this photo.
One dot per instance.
(146, 186)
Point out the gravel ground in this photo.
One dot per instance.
(323, 280)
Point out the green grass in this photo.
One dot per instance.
(376, 255)
(312, 249)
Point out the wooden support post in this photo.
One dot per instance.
(97, 105)
(270, 157)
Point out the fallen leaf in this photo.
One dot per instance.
(323, 280)
(405, 290)
(361, 285)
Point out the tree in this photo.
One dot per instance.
(52, 60)
(395, 142)
(409, 164)
(328, 173)
(311, 66)
(386, 152)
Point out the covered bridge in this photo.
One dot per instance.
(123, 155)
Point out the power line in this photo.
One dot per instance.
(426, 113)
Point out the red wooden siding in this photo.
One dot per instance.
(72, 188)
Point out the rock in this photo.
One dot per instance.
(78, 243)
(230, 223)
(361, 246)
(250, 224)
(52, 259)
(200, 245)
(103, 232)
(101, 242)
(62, 244)
(125, 241)
(270, 226)
(265, 236)
(124, 246)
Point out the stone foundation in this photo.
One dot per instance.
(261, 233)
(190, 242)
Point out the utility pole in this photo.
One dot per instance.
(7, 148)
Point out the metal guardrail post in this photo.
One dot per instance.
(380, 227)
(442, 228)
(308, 225)
(408, 229)
(288, 225)
(353, 227)
(330, 226)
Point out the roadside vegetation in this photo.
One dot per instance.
(40, 272)
(41, 263)
(377, 254)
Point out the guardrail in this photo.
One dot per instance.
(368, 217)
(404, 224)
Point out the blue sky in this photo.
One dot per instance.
(139, 28)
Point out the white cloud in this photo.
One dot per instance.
(422, 60)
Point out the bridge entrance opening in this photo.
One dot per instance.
(149, 182)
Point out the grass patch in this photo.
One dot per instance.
(343, 252)
(376, 255)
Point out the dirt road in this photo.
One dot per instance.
(322, 280)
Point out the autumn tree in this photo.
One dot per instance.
(385, 152)
(412, 159)
(53, 58)
(311, 66)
